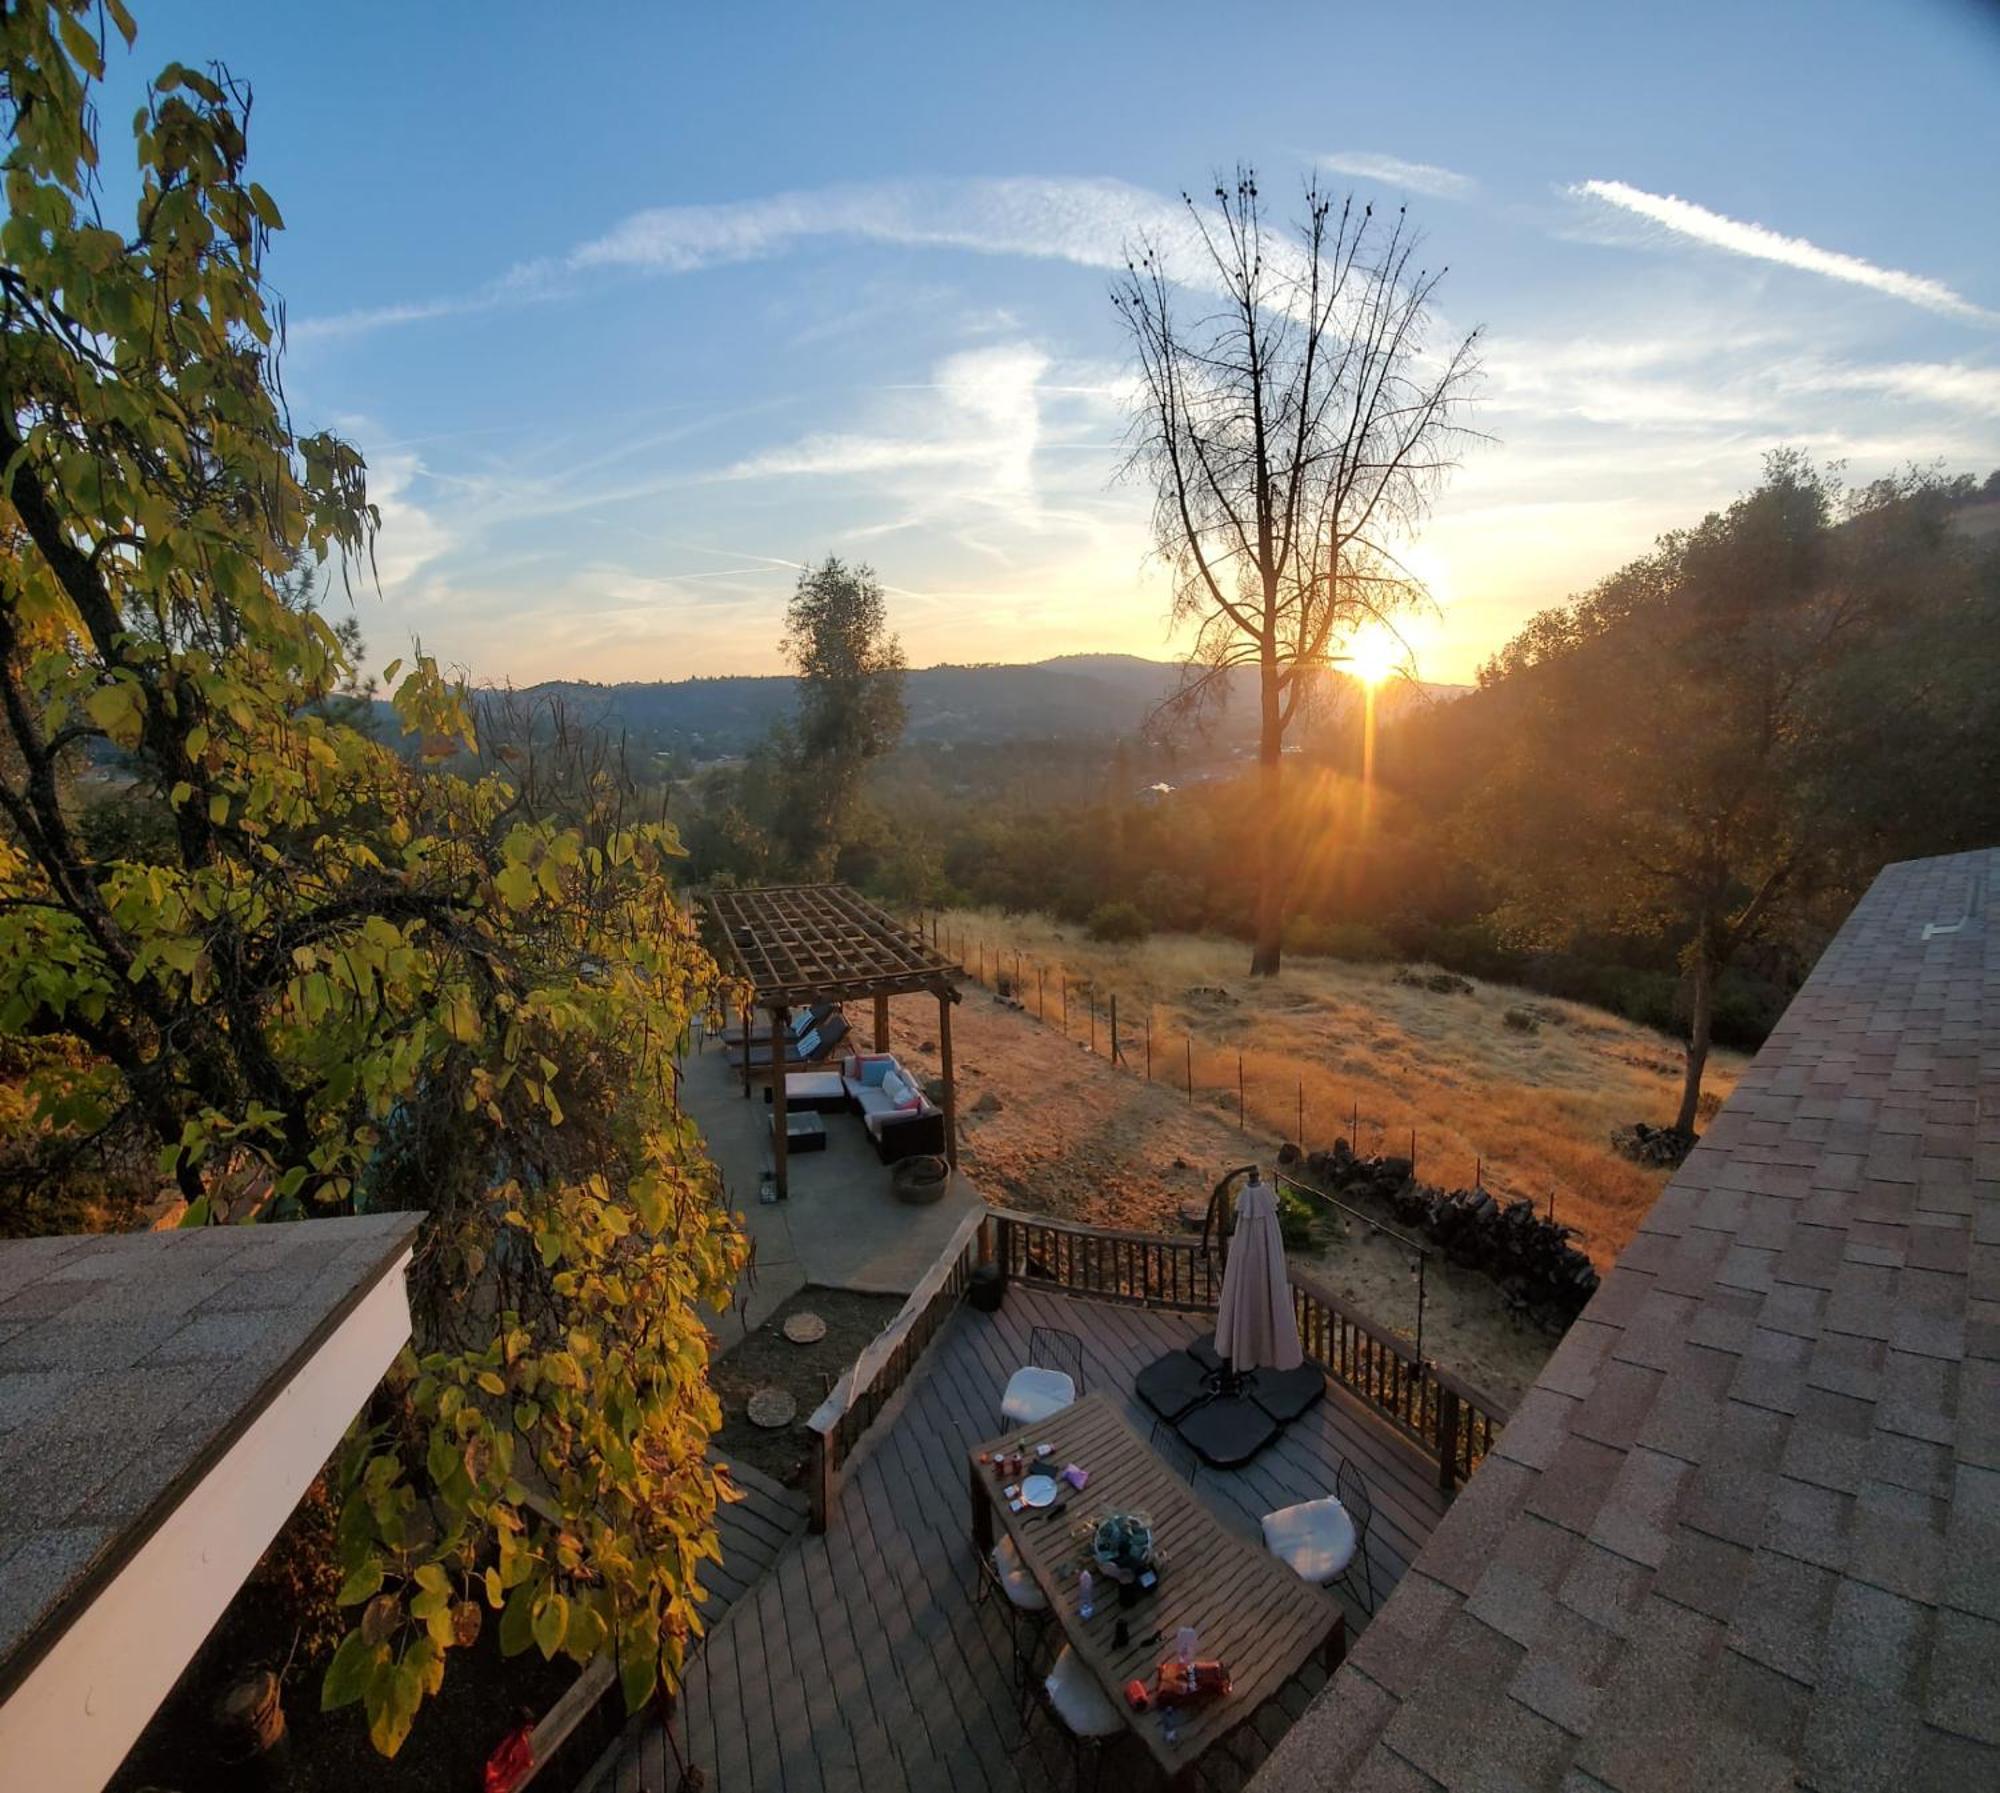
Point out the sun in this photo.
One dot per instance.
(1374, 653)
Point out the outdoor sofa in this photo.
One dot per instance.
(901, 1120)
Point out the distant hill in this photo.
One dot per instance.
(1097, 697)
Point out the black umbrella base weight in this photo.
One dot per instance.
(1226, 1419)
(1226, 1431)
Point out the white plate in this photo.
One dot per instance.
(1039, 1491)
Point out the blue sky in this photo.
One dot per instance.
(633, 309)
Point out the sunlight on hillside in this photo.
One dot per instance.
(1528, 1112)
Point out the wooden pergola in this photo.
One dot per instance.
(796, 944)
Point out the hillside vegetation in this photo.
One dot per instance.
(1527, 1105)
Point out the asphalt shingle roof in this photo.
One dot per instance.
(128, 1363)
(1744, 1531)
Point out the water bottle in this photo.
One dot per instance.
(1083, 1585)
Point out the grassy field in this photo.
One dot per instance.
(1529, 1111)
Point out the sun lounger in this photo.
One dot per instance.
(818, 1046)
(760, 1031)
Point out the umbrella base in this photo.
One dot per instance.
(1170, 1385)
(1287, 1395)
(1203, 1351)
(1227, 1431)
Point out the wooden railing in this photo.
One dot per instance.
(1152, 1268)
(1443, 1418)
(1435, 1411)
(884, 1366)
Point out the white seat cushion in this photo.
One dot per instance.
(1019, 1585)
(1314, 1539)
(1034, 1393)
(1076, 1698)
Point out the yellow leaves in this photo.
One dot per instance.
(551, 1623)
(460, 1016)
(266, 208)
(117, 709)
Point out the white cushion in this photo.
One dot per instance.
(1020, 1585)
(1314, 1539)
(1035, 1393)
(894, 1088)
(1077, 1698)
(872, 1101)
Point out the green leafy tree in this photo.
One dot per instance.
(850, 708)
(1757, 712)
(346, 979)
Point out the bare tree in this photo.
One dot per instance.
(1295, 427)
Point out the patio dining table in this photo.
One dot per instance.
(1250, 1612)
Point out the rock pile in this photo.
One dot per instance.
(1661, 1147)
(1540, 1271)
(1438, 983)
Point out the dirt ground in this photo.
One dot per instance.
(766, 1358)
(1049, 1125)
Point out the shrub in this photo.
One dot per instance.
(1118, 924)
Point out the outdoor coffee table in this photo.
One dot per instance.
(821, 1092)
(804, 1132)
(1251, 1612)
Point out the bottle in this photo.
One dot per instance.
(1083, 1585)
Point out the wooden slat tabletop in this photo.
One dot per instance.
(1251, 1612)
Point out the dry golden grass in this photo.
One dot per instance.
(1530, 1112)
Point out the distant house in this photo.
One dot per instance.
(165, 1400)
(1744, 1531)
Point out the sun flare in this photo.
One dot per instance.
(1374, 654)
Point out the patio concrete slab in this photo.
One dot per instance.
(841, 1228)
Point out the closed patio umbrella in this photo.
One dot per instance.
(1255, 1328)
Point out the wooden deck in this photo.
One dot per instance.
(860, 1660)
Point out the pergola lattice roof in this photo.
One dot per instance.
(795, 942)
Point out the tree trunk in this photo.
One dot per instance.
(1270, 938)
(1701, 1023)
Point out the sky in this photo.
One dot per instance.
(635, 309)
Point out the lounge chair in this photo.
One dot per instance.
(795, 1029)
(816, 1046)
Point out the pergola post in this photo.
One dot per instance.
(881, 1021)
(950, 1081)
(779, 1141)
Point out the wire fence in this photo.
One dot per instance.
(1296, 1101)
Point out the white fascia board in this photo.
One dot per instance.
(75, 1717)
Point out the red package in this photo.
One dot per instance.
(1187, 1683)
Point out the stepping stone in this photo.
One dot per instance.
(772, 1407)
(805, 1329)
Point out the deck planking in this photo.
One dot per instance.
(861, 1660)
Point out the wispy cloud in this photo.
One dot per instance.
(1952, 385)
(1697, 223)
(1085, 221)
(381, 317)
(1393, 171)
